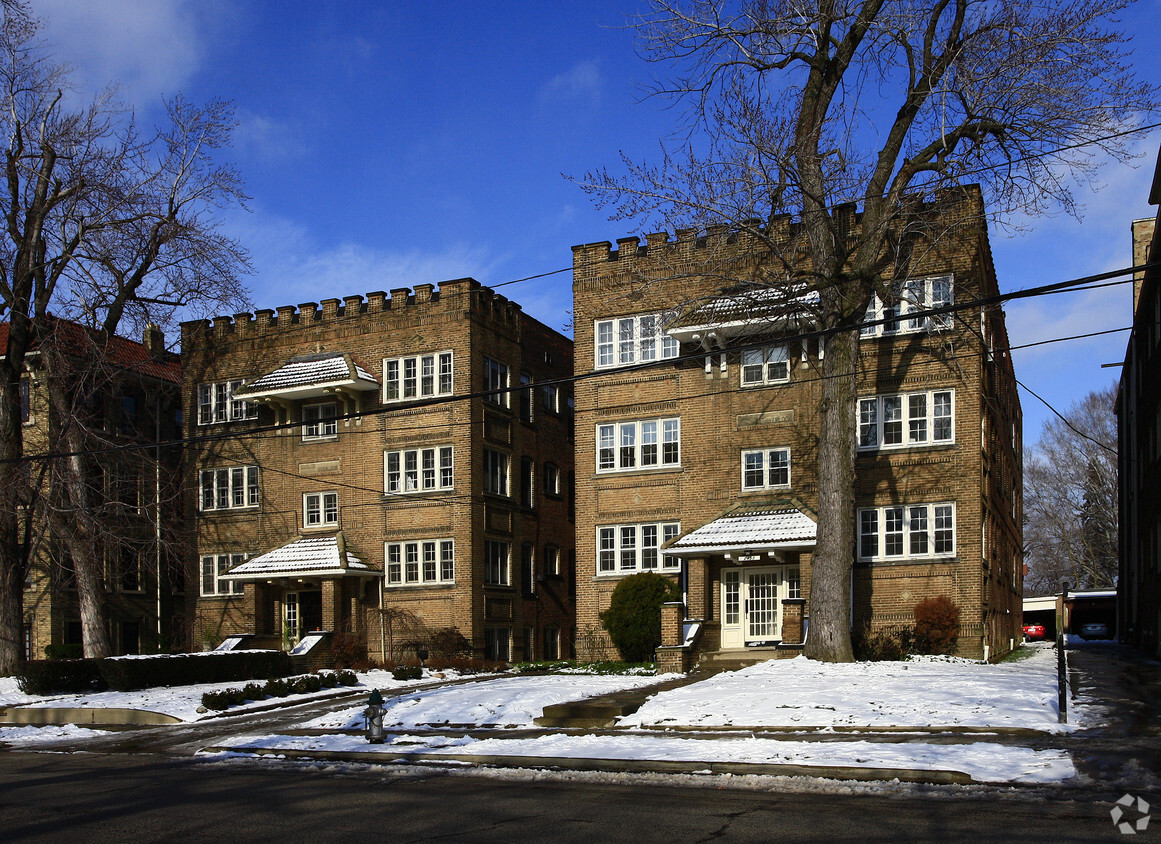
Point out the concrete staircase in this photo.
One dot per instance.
(732, 660)
(603, 711)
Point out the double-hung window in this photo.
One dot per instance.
(496, 472)
(216, 565)
(638, 444)
(496, 383)
(912, 531)
(769, 365)
(418, 470)
(320, 421)
(767, 468)
(625, 549)
(908, 419)
(496, 563)
(320, 509)
(417, 377)
(216, 403)
(632, 339)
(421, 563)
(228, 488)
(901, 312)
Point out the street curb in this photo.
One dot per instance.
(635, 766)
(40, 716)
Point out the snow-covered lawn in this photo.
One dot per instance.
(505, 702)
(924, 692)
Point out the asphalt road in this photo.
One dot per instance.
(112, 797)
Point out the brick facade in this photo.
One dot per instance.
(977, 472)
(460, 324)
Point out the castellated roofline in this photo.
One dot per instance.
(459, 294)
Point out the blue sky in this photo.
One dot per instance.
(395, 143)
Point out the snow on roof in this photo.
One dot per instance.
(314, 555)
(745, 309)
(750, 527)
(307, 373)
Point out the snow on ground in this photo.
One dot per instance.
(26, 736)
(922, 692)
(983, 761)
(506, 702)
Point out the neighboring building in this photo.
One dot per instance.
(397, 468)
(1139, 418)
(697, 425)
(127, 397)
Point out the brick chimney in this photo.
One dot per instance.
(154, 340)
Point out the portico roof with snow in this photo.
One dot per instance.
(749, 527)
(314, 556)
(311, 376)
(745, 311)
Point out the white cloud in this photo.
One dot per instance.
(265, 138)
(148, 48)
(582, 82)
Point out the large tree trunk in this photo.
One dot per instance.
(13, 560)
(830, 581)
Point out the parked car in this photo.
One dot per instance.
(1094, 630)
(1034, 632)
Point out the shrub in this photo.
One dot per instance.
(190, 669)
(346, 678)
(633, 618)
(936, 625)
(447, 642)
(61, 676)
(349, 650)
(407, 672)
(62, 651)
(883, 645)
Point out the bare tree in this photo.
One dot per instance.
(105, 226)
(1070, 499)
(799, 106)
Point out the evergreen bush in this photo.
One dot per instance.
(633, 618)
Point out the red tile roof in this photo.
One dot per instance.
(123, 353)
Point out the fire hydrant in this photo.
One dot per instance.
(373, 718)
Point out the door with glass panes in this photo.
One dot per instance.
(752, 605)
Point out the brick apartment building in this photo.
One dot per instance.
(125, 396)
(393, 468)
(696, 457)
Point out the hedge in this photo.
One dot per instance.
(79, 675)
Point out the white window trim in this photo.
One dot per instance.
(232, 588)
(395, 571)
(504, 477)
(315, 428)
(249, 489)
(223, 407)
(551, 482)
(621, 341)
(764, 454)
(320, 499)
(499, 393)
(905, 420)
(611, 555)
(442, 382)
(636, 428)
(915, 294)
(763, 364)
(440, 469)
(880, 532)
(505, 573)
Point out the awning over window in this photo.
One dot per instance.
(749, 528)
(315, 556)
(746, 312)
(311, 376)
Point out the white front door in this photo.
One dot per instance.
(751, 606)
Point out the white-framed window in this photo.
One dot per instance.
(320, 421)
(320, 509)
(907, 419)
(497, 644)
(216, 565)
(526, 396)
(625, 549)
(528, 568)
(551, 560)
(551, 479)
(216, 403)
(550, 397)
(496, 382)
(638, 444)
(909, 531)
(417, 377)
(793, 583)
(527, 482)
(228, 488)
(766, 468)
(497, 563)
(496, 472)
(411, 470)
(421, 563)
(632, 339)
(768, 365)
(911, 296)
